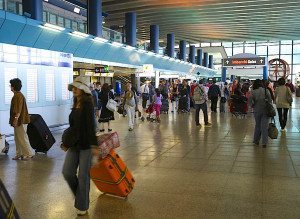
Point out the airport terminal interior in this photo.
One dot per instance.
(67, 67)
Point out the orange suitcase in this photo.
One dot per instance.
(112, 176)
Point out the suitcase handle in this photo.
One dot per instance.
(123, 175)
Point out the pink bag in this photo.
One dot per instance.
(106, 142)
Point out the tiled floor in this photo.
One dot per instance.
(181, 172)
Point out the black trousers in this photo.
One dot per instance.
(202, 107)
(282, 114)
(214, 103)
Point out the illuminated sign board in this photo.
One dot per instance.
(102, 69)
(244, 61)
(107, 75)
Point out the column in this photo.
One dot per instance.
(94, 17)
(224, 73)
(154, 38)
(130, 28)
(192, 54)
(211, 61)
(232, 78)
(199, 57)
(205, 59)
(170, 45)
(265, 73)
(182, 48)
(133, 79)
(33, 9)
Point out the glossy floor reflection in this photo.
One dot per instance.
(181, 172)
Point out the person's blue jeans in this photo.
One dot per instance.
(80, 185)
(202, 107)
(261, 128)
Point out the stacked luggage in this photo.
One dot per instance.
(40, 136)
(7, 207)
(184, 104)
(110, 174)
(238, 106)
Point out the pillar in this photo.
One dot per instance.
(154, 38)
(199, 57)
(170, 45)
(33, 9)
(94, 17)
(232, 78)
(182, 48)
(192, 54)
(133, 79)
(205, 59)
(265, 73)
(211, 61)
(224, 74)
(130, 28)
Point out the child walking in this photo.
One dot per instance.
(157, 103)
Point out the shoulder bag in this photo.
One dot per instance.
(111, 104)
(288, 96)
(270, 110)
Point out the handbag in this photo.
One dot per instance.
(272, 130)
(69, 139)
(288, 96)
(270, 110)
(111, 104)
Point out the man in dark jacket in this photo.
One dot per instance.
(214, 93)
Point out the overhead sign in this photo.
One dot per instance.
(107, 75)
(244, 61)
(148, 69)
(102, 69)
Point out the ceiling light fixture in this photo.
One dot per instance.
(52, 27)
(77, 10)
(116, 44)
(79, 34)
(129, 47)
(99, 39)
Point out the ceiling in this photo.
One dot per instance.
(211, 20)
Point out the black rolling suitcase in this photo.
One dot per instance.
(40, 137)
(7, 207)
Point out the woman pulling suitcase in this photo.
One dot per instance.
(78, 141)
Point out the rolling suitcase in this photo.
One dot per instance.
(7, 208)
(40, 137)
(112, 176)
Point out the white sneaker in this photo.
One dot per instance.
(81, 213)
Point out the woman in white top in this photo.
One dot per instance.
(283, 100)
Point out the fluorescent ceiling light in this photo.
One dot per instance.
(103, 22)
(99, 39)
(166, 57)
(53, 27)
(151, 53)
(129, 47)
(77, 10)
(116, 44)
(79, 34)
(142, 51)
(46, 0)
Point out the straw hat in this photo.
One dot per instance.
(82, 83)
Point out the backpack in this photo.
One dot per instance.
(199, 94)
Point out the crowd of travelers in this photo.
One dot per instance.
(90, 110)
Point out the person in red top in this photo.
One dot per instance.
(290, 85)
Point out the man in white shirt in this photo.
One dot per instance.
(145, 94)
